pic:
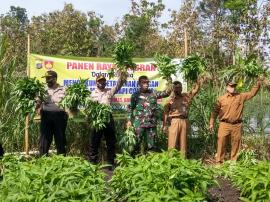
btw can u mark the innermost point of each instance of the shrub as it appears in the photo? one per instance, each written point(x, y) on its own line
point(160, 177)
point(51, 179)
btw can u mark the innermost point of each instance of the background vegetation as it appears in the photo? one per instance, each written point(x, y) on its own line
point(217, 30)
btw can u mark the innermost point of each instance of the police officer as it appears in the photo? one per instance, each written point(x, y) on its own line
point(104, 95)
point(53, 119)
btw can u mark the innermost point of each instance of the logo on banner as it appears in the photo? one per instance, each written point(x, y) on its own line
point(48, 64)
point(39, 64)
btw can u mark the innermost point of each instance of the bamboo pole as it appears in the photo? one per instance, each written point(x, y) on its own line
point(186, 42)
point(27, 118)
point(186, 51)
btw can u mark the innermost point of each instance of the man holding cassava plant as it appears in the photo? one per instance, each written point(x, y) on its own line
point(143, 108)
point(176, 112)
point(229, 109)
point(53, 118)
point(104, 95)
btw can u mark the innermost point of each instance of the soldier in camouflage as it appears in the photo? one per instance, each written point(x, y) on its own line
point(143, 112)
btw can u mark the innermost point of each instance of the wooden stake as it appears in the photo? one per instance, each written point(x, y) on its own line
point(186, 42)
point(27, 118)
point(26, 134)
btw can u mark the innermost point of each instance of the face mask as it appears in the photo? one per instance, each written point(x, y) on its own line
point(177, 91)
point(230, 89)
point(101, 85)
point(144, 85)
point(50, 82)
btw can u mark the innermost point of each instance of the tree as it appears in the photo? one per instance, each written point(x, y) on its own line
point(141, 27)
point(14, 26)
point(69, 32)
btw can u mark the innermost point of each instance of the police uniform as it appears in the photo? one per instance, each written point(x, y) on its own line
point(105, 97)
point(53, 119)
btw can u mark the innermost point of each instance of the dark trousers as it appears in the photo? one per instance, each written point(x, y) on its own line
point(53, 124)
point(1, 151)
point(109, 133)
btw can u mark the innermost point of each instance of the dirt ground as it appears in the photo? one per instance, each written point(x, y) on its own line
point(225, 192)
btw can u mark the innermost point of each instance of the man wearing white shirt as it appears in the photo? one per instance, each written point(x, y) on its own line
point(104, 95)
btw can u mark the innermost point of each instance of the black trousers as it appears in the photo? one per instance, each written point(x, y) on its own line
point(53, 124)
point(1, 151)
point(109, 133)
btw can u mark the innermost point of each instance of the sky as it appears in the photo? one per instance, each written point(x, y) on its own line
point(112, 10)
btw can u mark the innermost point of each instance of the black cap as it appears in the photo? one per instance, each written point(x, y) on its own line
point(231, 82)
point(50, 74)
point(100, 77)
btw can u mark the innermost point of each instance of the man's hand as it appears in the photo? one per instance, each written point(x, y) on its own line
point(165, 129)
point(262, 81)
point(203, 78)
point(129, 124)
point(38, 110)
point(211, 128)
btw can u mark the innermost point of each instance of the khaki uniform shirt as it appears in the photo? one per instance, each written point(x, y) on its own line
point(179, 105)
point(105, 96)
point(229, 107)
point(53, 98)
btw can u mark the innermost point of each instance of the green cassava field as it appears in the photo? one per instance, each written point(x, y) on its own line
point(225, 39)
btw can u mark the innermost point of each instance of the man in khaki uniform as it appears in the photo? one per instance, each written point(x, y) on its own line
point(176, 110)
point(229, 109)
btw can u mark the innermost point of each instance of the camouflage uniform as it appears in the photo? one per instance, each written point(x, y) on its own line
point(143, 115)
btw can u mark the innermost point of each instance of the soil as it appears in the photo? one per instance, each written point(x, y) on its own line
point(225, 192)
point(108, 174)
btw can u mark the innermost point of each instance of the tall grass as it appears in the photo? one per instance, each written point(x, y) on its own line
point(11, 124)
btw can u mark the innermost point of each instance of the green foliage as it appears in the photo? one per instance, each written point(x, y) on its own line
point(25, 94)
point(71, 32)
point(200, 139)
point(235, 4)
point(56, 178)
point(245, 71)
point(14, 25)
point(252, 68)
point(97, 114)
point(122, 57)
point(140, 26)
point(192, 67)
point(76, 95)
point(165, 66)
point(250, 175)
point(128, 140)
point(163, 176)
point(10, 128)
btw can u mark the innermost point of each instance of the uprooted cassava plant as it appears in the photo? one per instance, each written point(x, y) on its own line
point(97, 114)
point(26, 92)
point(192, 67)
point(76, 95)
point(122, 58)
point(165, 65)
